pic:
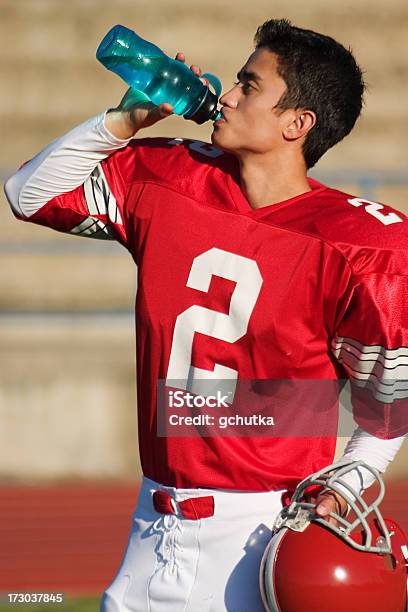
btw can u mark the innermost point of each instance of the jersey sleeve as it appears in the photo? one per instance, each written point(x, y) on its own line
point(95, 209)
point(74, 185)
point(371, 343)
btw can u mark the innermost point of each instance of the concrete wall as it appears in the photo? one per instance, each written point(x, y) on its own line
point(67, 398)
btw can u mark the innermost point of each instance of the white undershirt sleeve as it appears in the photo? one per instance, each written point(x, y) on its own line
point(376, 452)
point(61, 167)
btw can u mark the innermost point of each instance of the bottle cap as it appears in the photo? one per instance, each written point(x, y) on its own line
point(207, 111)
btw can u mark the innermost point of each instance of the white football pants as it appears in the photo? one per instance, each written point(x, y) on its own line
point(174, 564)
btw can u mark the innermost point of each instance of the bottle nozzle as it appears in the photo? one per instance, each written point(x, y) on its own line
point(206, 110)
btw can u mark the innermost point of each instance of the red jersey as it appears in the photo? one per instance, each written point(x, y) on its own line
point(310, 289)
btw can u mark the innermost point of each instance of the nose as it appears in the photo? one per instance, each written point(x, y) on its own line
point(229, 98)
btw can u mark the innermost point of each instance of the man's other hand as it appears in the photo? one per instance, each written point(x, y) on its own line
point(328, 502)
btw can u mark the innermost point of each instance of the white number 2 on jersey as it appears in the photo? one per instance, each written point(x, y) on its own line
point(228, 327)
point(374, 209)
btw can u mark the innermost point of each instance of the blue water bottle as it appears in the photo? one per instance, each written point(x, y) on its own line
point(146, 68)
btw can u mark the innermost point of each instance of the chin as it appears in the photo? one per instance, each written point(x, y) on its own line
point(220, 142)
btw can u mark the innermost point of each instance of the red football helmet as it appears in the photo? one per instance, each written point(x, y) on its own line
point(310, 565)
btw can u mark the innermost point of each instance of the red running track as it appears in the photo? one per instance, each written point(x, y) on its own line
point(71, 539)
point(63, 538)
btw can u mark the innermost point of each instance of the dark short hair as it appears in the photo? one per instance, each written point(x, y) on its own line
point(321, 75)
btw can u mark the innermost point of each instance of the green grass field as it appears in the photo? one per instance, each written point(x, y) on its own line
point(71, 604)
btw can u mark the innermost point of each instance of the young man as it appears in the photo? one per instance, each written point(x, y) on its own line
point(247, 271)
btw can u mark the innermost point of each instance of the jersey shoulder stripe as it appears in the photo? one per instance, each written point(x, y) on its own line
point(384, 371)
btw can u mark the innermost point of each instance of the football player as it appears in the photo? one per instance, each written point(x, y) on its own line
point(252, 273)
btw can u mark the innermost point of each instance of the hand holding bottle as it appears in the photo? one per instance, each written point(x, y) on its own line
point(135, 111)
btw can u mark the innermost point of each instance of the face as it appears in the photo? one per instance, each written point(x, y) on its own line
point(250, 123)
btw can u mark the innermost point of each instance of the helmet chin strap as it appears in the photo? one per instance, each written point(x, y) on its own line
point(299, 514)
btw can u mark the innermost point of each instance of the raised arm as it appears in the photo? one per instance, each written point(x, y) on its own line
point(68, 161)
point(74, 160)
point(61, 167)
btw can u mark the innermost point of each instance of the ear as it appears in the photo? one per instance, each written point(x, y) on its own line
point(299, 125)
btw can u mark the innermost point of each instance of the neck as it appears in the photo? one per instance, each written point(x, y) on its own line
point(266, 181)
